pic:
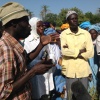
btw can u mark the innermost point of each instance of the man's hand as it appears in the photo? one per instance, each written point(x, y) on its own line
point(39, 68)
point(79, 56)
point(42, 67)
point(65, 46)
point(82, 50)
point(49, 38)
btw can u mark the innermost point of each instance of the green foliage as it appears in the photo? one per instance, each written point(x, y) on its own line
point(60, 18)
point(95, 19)
point(62, 15)
point(30, 13)
point(44, 12)
point(50, 17)
point(89, 15)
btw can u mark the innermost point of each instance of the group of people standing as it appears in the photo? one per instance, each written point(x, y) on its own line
point(37, 63)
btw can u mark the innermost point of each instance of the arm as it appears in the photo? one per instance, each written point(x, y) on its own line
point(66, 51)
point(34, 53)
point(8, 84)
point(43, 41)
point(89, 48)
point(80, 52)
point(36, 70)
point(76, 52)
point(58, 43)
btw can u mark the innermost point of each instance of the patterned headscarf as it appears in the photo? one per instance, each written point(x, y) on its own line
point(85, 24)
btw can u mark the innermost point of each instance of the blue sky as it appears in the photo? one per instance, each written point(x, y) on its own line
point(56, 5)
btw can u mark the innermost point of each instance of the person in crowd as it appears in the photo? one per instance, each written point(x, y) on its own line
point(77, 48)
point(14, 76)
point(48, 30)
point(85, 25)
point(41, 84)
point(53, 25)
point(94, 61)
point(98, 43)
point(54, 53)
point(98, 53)
point(64, 26)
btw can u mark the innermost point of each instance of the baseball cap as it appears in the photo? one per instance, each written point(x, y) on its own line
point(10, 11)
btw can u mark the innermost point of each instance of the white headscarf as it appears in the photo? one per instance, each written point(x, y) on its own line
point(33, 22)
point(32, 41)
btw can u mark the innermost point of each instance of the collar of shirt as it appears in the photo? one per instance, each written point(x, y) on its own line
point(12, 41)
point(78, 33)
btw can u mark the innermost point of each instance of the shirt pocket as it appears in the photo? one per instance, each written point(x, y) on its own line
point(81, 42)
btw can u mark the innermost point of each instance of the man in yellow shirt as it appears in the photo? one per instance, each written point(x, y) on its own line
point(77, 48)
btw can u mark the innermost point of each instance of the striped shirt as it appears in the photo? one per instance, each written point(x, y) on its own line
point(12, 67)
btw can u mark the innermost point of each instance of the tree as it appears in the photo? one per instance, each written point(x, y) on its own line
point(50, 17)
point(30, 13)
point(95, 19)
point(98, 11)
point(81, 16)
point(44, 11)
point(77, 10)
point(89, 15)
point(41, 15)
point(62, 16)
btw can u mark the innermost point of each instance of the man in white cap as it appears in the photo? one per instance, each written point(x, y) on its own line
point(14, 75)
point(77, 48)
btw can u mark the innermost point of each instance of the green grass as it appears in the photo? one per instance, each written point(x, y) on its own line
point(93, 93)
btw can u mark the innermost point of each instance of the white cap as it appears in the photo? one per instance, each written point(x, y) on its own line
point(70, 12)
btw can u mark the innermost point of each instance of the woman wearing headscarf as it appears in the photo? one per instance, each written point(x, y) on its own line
point(41, 84)
point(94, 62)
point(85, 25)
point(64, 26)
point(54, 53)
point(98, 41)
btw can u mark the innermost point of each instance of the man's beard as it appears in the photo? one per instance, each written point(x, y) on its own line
point(22, 33)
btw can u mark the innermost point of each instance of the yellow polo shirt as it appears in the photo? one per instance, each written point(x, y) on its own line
point(76, 67)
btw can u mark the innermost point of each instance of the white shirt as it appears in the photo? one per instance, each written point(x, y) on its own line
point(31, 42)
point(98, 45)
point(41, 84)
